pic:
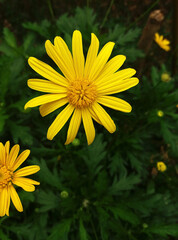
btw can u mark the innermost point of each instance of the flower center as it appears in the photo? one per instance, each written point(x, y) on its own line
point(5, 176)
point(81, 94)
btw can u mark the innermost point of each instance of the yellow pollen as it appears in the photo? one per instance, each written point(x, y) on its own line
point(5, 176)
point(81, 93)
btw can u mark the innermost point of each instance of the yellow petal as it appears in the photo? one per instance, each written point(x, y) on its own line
point(88, 125)
point(2, 154)
point(104, 117)
point(55, 54)
point(47, 108)
point(46, 71)
point(74, 126)
point(65, 55)
point(7, 147)
point(112, 66)
point(21, 158)
point(78, 57)
point(3, 201)
point(91, 55)
point(8, 201)
point(94, 116)
point(13, 154)
point(25, 183)
point(25, 171)
point(59, 122)
point(15, 199)
point(119, 86)
point(115, 103)
point(45, 86)
point(101, 60)
point(115, 78)
point(47, 98)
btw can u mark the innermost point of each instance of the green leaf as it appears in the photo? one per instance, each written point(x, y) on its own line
point(125, 183)
point(48, 200)
point(22, 133)
point(164, 230)
point(52, 178)
point(3, 236)
point(82, 231)
point(60, 230)
point(9, 38)
point(125, 214)
point(94, 154)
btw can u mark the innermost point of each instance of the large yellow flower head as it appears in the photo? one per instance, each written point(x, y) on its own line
point(9, 162)
point(85, 85)
point(163, 43)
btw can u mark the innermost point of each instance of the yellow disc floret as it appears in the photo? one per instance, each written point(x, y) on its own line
point(81, 94)
point(5, 176)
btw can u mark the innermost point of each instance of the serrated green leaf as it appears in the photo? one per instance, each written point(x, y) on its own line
point(125, 183)
point(9, 38)
point(125, 214)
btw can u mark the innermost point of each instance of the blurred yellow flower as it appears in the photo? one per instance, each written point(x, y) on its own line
point(161, 166)
point(9, 162)
point(165, 77)
point(84, 86)
point(163, 43)
point(160, 113)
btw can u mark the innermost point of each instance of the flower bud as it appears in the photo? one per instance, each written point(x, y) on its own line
point(76, 142)
point(145, 225)
point(64, 194)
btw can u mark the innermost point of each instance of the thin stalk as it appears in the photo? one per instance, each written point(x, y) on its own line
point(50, 9)
point(107, 13)
point(142, 15)
point(92, 225)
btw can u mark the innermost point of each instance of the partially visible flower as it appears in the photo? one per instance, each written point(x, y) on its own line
point(83, 88)
point(160, 113)
point(161, 166)
point(165, 77)
point(9, 163)
point(163, 43)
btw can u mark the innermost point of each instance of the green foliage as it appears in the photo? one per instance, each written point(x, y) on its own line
point(112, 188)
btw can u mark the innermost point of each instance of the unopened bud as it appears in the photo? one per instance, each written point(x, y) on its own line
point(145, 225)
point(64, 194)
point(76, 142)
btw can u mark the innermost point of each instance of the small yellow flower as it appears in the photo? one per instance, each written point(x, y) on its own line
point(9, 162)
point(160, 113)
point(85, 85)
point(165, 77)
point(163, 43)
point(161, 166)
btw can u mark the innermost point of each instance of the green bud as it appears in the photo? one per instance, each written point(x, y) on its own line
point(64, 194)
point(76, 142)
point(145, 225)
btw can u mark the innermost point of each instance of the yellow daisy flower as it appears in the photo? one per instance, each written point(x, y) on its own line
point(163, 43)
point(9, 162)
point(84, 86)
